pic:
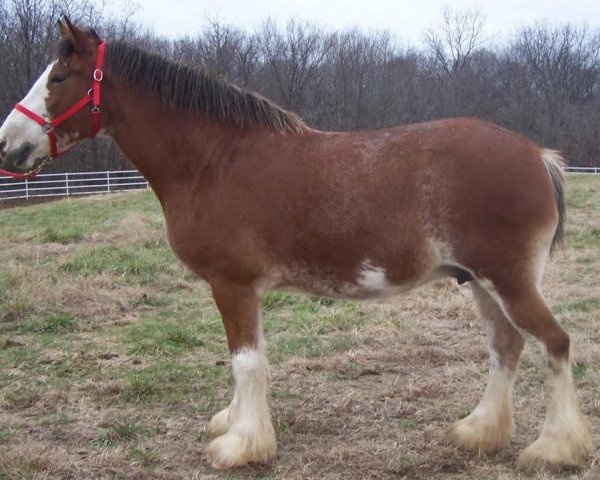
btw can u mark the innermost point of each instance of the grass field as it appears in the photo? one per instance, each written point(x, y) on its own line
point(113, 358)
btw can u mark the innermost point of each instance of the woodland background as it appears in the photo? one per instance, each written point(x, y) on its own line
point(543, 80)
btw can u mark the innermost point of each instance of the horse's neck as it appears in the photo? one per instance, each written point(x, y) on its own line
point(167, 146)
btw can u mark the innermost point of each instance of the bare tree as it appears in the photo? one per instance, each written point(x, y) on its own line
point(292, 59)
point(563, 62)
point(358, 80)
point(559, 75)
point(454, 41)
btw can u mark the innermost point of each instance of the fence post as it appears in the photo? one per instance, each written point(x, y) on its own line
point(67, 181)
point(108, 181)
point(26, 189)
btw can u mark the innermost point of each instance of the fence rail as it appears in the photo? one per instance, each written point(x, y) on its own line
point(88, 183)
point(71, 184)
point(592, 170)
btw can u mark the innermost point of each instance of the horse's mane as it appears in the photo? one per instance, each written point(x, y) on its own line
point(192, 89)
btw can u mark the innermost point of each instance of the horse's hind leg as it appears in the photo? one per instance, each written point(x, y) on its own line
point(565, 439)
point(244, 432)
point(490, 426)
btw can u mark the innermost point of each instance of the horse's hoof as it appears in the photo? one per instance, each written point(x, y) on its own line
point(556, 453)
point(475, 434)
point(236, 450)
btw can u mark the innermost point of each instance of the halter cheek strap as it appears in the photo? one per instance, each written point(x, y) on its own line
point(93, 96)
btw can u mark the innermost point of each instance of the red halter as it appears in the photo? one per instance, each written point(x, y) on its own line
point(93, 96)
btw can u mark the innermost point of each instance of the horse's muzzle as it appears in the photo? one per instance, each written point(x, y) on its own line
point(16, 158)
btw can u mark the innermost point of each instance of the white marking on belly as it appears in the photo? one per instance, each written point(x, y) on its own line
point(372, 278)
point(370, 282)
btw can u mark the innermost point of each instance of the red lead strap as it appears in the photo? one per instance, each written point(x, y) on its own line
point(93, 96)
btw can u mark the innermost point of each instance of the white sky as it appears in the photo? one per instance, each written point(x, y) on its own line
point(407, 19)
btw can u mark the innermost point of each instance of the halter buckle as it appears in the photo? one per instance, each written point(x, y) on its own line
point(98, 75)
point(48, 127)
point(96, 109)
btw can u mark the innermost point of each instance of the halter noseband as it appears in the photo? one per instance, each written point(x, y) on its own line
point(93, 96)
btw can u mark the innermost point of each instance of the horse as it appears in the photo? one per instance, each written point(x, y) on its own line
point(256, 200)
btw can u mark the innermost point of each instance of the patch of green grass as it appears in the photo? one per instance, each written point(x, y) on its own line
point(65, 234)
point(146, 456)
point(579, 370)
point(22, 397)
point(18, 358)
point(585, 305)
point(153, 300)
point(174, 381)
point(588, 260)
point(582, 192)
point(135, 263)
point(127, 430)
point(151, 337)
point(84, 215)
point(577, 198)
point(586, 239)
point(15, 306)
point(281, 428)
point(60, 418)
point(50, 360)
point(336, 376)
point(54, 323)
point(406, 460)
point(5, 436)
point(141, 387)
point(307, 346)
point(276, 300)
point(70, 367)
point(528, 365)
point(15, 302)
point(283, 394)
point(23, 469)
point(102, 440)
point(407, 423)
point(526, 391)
point(291, 314)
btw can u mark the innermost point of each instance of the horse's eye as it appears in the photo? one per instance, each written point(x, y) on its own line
point(57, 78)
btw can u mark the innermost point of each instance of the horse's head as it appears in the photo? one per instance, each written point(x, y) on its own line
point(65, 87)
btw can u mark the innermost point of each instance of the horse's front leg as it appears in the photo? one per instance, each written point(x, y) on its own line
point(244, 432)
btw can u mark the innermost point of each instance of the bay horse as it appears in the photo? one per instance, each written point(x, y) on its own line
point(256, 200)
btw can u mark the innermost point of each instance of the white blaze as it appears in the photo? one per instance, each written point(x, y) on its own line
point(18, 128)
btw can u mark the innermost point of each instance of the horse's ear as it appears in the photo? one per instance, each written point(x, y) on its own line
point(78, 39)
point(64, 26)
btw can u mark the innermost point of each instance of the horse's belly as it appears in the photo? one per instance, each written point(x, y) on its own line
point(368, 282)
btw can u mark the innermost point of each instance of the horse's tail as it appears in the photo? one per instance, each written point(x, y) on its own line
point(555, 163)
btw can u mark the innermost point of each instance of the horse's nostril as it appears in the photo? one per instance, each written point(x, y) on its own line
point(21, 155)
point(2, 147)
